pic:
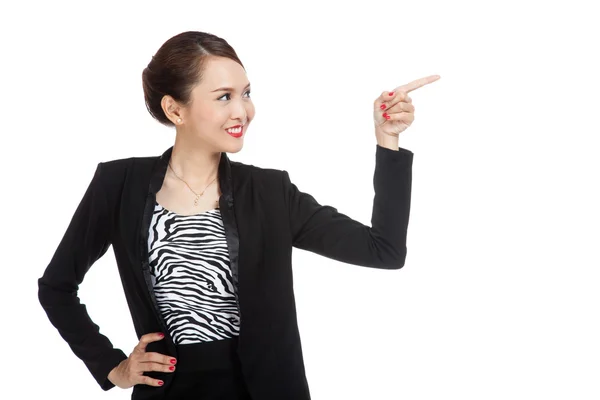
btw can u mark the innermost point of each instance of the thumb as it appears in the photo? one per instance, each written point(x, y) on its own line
point(146, 339)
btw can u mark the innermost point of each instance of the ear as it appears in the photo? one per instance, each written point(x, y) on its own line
point(171, 108)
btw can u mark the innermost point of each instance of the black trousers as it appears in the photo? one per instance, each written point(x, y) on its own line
point(208, 371)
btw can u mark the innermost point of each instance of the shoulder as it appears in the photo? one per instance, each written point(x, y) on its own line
point(119, 170)
point(115, 173)
point(258, 174)
point(121, 164)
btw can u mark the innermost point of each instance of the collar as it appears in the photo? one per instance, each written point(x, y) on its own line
point(225, 180)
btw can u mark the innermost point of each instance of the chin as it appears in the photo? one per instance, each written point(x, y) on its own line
point(232, 145)
point(233, 149)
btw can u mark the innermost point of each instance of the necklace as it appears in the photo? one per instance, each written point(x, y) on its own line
point(197, 195)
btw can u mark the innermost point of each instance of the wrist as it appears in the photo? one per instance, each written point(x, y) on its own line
point(111, 376)
point(387, 141)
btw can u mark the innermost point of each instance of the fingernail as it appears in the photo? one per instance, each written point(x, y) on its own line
point(161, 334)
point(171, 368)
point(386, 116)
point(382, 106)
point(160, 382)
point(173, 361)
point(391, 93)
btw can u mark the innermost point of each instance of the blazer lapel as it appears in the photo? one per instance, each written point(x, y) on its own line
point(157, 176)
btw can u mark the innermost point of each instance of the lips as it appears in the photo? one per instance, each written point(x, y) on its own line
point(236, 134)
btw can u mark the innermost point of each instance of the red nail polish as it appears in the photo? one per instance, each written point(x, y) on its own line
point(382, 106)
point(171, 368)
point(385, 115)
point(172, 361)
point(161, 334)
point(160, 382)
point(391, 93)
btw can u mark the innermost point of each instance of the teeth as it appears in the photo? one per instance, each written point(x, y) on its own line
point(234, 130)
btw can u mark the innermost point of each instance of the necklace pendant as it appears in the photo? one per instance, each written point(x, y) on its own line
point(196, 201)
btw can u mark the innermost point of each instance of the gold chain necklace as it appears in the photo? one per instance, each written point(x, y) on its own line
point(197, 195)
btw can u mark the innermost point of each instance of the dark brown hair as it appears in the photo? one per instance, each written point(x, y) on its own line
point(177, 67)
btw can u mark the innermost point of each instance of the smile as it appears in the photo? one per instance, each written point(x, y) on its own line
point(235, 132)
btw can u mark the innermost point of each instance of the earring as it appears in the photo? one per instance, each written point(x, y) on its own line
point(178, 120)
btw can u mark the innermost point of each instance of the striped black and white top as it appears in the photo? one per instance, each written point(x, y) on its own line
point(191, 276)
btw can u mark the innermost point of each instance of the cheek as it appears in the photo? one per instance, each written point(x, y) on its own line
point(208, 113)
point(250, 111)
point(214, 116)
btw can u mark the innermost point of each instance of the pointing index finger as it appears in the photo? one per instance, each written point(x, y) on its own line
point(409, 87)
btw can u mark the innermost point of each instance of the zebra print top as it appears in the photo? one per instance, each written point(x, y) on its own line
point(191, 276)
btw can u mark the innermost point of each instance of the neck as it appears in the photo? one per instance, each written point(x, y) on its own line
point(194, 162)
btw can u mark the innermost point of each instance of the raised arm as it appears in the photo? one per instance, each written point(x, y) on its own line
point(323, 230)
point(86, 240)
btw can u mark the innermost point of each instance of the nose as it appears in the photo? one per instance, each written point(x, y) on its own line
point(240, 115)
point(242, 121)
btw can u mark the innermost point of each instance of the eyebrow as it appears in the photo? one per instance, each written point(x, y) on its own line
point(228, 88)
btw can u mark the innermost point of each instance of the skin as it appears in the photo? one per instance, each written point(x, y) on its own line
point(396, 104)
point(130, 371)
point(199, 140)
point(201, 137)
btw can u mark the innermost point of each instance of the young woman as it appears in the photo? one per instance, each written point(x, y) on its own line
point(203, 244)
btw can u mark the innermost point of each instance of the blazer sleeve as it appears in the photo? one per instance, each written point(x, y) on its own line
point(86, 239)
point(323, 230)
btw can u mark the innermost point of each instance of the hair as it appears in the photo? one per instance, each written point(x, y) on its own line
point(178, 66)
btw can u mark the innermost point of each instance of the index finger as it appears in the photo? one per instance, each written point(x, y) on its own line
point(409, 87)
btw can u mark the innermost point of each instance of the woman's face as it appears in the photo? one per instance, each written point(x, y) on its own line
point(221, 101)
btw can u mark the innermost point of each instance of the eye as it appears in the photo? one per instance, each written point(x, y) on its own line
point(229, 94)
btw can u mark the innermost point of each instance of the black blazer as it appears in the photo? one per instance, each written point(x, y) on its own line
point(264, 216)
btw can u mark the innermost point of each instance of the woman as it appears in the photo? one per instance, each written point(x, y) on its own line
point(203, 244)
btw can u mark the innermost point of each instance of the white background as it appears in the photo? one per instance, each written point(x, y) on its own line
point(499, 295)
